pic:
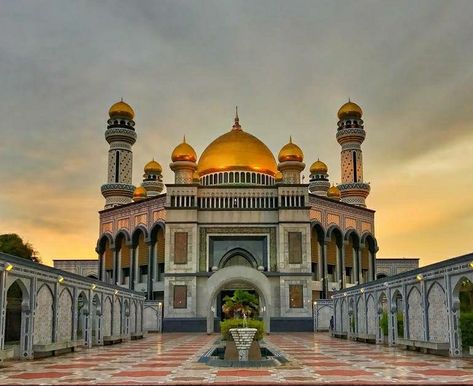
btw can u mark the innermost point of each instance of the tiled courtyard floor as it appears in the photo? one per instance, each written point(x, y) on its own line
point(172, 358)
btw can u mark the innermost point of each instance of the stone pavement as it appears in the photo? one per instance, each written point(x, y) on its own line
point(172, 359)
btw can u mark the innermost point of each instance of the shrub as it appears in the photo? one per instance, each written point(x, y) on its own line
point(400, 324)
point(383, 323)
point(466, 328)
point(235, 323)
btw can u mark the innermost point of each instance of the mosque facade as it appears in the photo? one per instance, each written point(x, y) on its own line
point(236, 217)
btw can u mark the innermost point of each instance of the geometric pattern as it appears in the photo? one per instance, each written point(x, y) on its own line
point(172, 359)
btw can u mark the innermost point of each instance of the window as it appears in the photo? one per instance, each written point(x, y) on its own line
point(143, 273)
point(315, 271)
point(355, 177)
point(125, 275)
point(295, 247)
point(180, 296)
point(117, 166)
point(180, 248)
point(295, 296)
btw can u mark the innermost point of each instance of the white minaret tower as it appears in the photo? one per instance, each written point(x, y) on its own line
point(350, 135)
point(121, 136)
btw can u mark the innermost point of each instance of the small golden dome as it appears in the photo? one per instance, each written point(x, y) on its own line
point(184, 152)
point(318, 167)
point(153, 167)
point(121, 110)
point(334, 192)
point(139, 193)
point(350, 109)
point(291, 152)
point(278, 177)
point(237, 150)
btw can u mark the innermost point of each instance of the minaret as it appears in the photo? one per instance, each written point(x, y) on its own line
point(350, 135)
point(183, 163)
point(121, 136)
point(153, 178)
point(290, 163)
point(318, 180)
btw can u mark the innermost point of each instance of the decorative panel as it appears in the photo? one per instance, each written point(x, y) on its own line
point(296, 299)
point(180, 248)
point(107, 227)
point(295, 247)
point(350, 223)
point(123, 223)
point(333, 219)
point(141, 219)
point(180, 296)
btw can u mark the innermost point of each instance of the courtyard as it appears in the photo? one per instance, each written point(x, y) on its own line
point(172, 359)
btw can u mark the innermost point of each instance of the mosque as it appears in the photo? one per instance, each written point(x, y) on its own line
point(236, 218)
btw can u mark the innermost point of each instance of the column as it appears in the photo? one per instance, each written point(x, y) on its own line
point(101, 265)
point(150, 270)
point(28, 316)
point(341, 256)
point(423, 292)
point(55, 312)
point(325, 270)
point(3, 307)
point(74, 313)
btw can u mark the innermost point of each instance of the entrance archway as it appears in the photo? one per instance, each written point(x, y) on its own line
point(243, 275)
point(16, 318)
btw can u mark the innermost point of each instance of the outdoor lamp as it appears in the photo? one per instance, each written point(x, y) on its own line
point(9, 267)
point(471, 264)
point(60, 279)
point(420, 277)
point(116, 292)
point(93, 286)
point(362, 290)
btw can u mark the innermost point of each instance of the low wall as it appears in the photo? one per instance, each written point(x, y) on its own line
point(50, 308)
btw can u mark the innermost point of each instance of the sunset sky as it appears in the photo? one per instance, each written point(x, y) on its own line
point(288, 65)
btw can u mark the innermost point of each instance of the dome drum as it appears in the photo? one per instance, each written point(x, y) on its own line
point(237, 177)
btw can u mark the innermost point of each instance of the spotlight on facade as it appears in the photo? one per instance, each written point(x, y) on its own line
point(116, 292)
point(420, 277)
point(362, 290)
point(471, 265)
point(344, 294)
point(386, 284)
point(60, 279)
point(93, 286)
point(315, 303)
point(9, 267)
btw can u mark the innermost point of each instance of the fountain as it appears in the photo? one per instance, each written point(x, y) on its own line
point(243, 338)
point(243, 353)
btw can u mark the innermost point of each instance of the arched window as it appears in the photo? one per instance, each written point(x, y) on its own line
point(231, 177)
point(237, 177)
point(225, 178)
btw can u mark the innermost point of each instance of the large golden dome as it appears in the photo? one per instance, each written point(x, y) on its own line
point(184, 152)
point(350, 109)
point(237, 150)
point(121, 110)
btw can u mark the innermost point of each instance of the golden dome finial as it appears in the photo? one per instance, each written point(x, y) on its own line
point(121, 110)
point(350, 109)
point(236, 125)
point(184, 152)
point(291, 152)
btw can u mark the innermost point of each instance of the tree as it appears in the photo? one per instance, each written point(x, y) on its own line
point(14, 245)
point(241, 303)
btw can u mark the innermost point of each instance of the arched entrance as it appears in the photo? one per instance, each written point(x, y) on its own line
point(16, 318)
point(244, 276)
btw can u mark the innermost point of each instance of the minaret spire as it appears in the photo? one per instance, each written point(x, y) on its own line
point(236, 125)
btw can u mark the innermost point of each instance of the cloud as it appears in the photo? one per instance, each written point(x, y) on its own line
point(184, 66)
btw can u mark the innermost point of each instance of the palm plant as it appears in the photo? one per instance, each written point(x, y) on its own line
point(242, 303)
